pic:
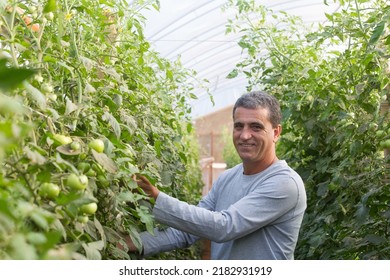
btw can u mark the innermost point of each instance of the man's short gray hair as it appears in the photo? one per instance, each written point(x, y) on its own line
point(260, 99)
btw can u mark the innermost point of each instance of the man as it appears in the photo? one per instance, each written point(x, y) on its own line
point(253, 211)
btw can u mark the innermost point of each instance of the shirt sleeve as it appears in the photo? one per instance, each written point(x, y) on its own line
point(263, 206)
point(165, 240)
point(170, 238)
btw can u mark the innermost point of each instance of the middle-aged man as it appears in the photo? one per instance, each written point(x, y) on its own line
point(253, 211)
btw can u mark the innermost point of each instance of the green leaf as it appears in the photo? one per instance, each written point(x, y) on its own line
point(128, 196)
point(100, 229)
point(92, 250)
point(329, 16)
point(244, 45)
point(40, 220)
point(169, 74)
point(377, 33)
point(11, 77)
point(232, 74)
point(6, 217)
point(51, 6)
point(322, 189)
point(113, 123)
point(375, 239)
point(166, 177)
point(52, 238)
point(67, 150)
point(118, 100)
point(36, 95)
point(36, 238)
point(70, 107)
point(189, 128)
point(157, 146)
point(146, 218)
point(107, 163)
point(34, 156)
point(362, 213)
point(387, 41)
point(10, 105)
point(135, 237)
point(20, 249)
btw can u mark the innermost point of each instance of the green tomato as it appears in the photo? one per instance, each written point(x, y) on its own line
point(89, 208)
point(83, 219)
point(380, 133)
point(385, 144)
point(91, 173)
point(77, 182)
point(62, 139)
point(97, 145)
point(83, 156)
point(75, 146)
point(83, 167)
point(372, 127)
point(49, 190)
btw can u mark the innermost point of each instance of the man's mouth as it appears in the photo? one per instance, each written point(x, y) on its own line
point(246, 145)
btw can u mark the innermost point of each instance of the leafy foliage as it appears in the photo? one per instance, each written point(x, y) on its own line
point(333, 83)
point(72, 72)
point(229, 153)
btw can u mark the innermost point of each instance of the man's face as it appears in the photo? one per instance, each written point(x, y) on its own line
point(253, 134)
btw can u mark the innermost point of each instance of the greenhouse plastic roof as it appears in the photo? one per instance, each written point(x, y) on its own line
point(194, 30)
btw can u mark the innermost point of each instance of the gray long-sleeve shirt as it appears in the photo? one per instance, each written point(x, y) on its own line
point(245, 216)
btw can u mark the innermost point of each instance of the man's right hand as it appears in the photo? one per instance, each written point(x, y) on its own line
point(147, 187)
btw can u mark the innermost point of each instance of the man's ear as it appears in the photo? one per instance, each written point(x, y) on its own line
point(277, 132)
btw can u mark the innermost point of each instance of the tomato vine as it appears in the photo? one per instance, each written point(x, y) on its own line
point(85, 104)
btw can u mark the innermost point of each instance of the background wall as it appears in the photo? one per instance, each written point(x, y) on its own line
point(210, 129)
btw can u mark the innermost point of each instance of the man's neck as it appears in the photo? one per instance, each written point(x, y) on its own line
point(251, 168)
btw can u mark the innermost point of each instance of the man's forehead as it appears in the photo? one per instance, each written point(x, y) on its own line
point(250, 115)
point(250, 121)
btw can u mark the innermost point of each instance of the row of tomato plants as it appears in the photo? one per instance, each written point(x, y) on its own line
point(85, 104)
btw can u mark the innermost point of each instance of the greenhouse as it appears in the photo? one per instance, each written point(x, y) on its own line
point(111, 110)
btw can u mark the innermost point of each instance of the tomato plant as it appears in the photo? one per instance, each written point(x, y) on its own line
point(72, 72)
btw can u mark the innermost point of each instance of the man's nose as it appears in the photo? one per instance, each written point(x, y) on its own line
point(245, 133)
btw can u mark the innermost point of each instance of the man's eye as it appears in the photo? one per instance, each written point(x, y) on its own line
point(257, 127)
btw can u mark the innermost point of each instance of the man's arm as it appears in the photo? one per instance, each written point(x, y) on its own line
point(255, 210)
point(162, 240)
point(165, 240)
